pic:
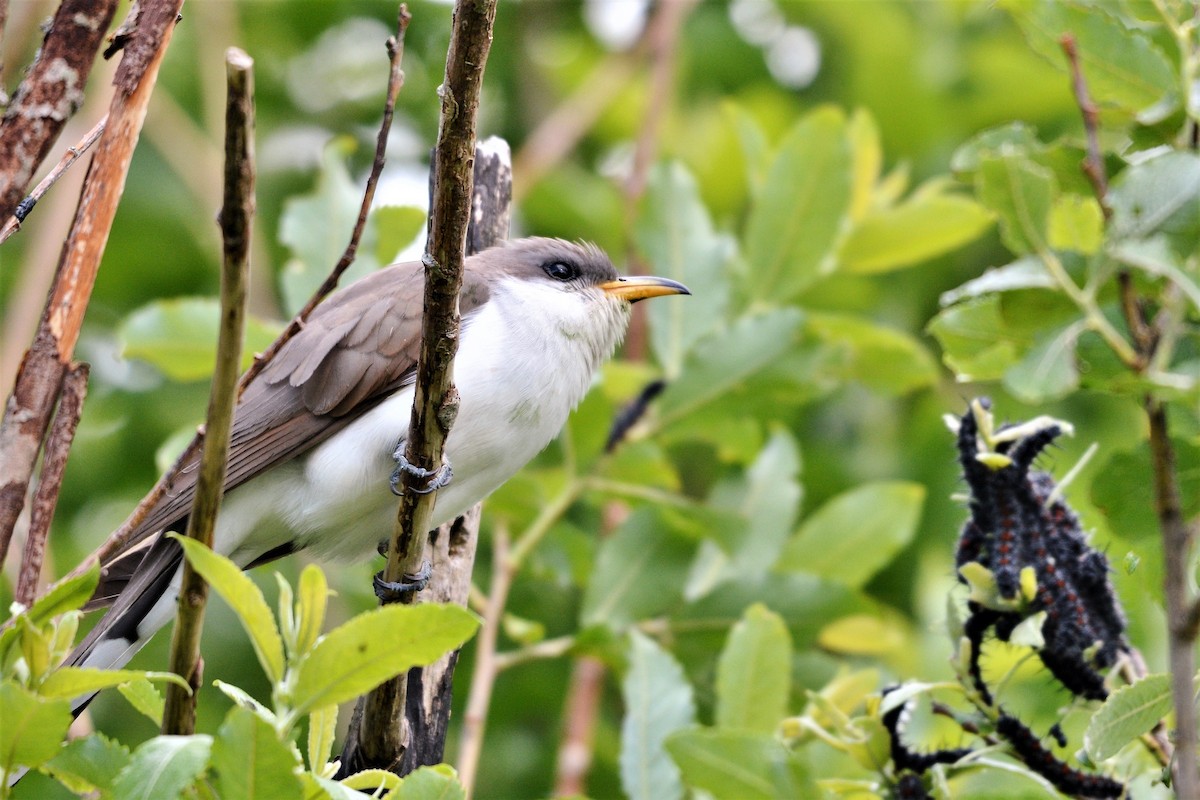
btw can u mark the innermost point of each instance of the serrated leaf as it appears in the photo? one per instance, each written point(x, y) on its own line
point(70, 682)
point(1048, 371)
point(923, 227)
point(163, 767)
point(438, 782)
point(374, 646)
point(799, 216)
point(857, 533)
point(640, 571)
point(1021, 193)
point(1159, 196)
point(251, 762)
point(738, 765)
point(145, 698)
point(658, 701)
point(246, 600)
point(179, 336)
point(975, 343)
point(32, 727)
point(676, 235)
point(89, 764)
point(1128, 712)
point(1121, 66)
point(754, 672)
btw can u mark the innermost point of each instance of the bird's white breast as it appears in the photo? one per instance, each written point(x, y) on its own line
point(526, 358)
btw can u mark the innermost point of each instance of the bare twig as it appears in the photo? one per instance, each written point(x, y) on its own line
point(73, 153)
point(27, 412)
point(395, 49)
point(1093, 163)
point(54, 463)
point(237, 210)
point(582, 709)
point(380, 740)
point(483, 679)
point(50, 93)
point(1181, 642)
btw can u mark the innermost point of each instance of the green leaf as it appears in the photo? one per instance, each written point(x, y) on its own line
point(974, 341)
point(1076, 224)
point(322, 728)
point(67, 595)
point(925, 226)
point(1128, 712)
point(721, 363)
point(88, 764)
point(145, 698)
point(882, 359)
point(801, 214)
point(369, 780)
point(31, 728)
point(1013, 138)
point(1160, 195)
point(316, 229)
point(246, 600)
point(754, 672)
point(857, 533)
point(1048, 371)
point(243, 699)
point(250, 761)
point(396, 227)
point(1122, 67)
point(375, 646)
point(179, 336)
point(71, 682)
point(640, 571)
point(738, 765)
point(675, 234)
point(658, 702)
point(310, 607)
point(863, 134)
point(1124, 493)
point(163, 767)
point(1024, 273)
point(438, 782)
point(1021, 193)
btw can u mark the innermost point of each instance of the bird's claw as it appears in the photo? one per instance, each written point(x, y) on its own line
point(434, 478)
point(390, 592)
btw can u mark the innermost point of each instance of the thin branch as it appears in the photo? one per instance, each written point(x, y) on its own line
point(73, 153)
point(27, 413)
point(574, 759)
point(237, 211)
point(1181, 641)
point(435, 402)
point(395, 50)
point(1093, 163)
point(483, 679)
point(50, 93)
point(54, 464)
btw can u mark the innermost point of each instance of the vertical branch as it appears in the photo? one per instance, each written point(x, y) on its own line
point(27, 413)
point(54, 463)
point(50, 93)
point(237, 210)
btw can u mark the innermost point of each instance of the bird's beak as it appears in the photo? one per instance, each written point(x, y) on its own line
point(639, 287)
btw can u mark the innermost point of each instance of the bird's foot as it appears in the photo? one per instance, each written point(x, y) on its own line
point(390, 592)
point(434, 478)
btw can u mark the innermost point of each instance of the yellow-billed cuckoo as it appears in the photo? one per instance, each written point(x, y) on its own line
point(315, 436)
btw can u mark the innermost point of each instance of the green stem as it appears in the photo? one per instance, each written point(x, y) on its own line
point(1093, 316)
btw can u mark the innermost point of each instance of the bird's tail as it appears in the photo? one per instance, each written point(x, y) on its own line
point(144, 606)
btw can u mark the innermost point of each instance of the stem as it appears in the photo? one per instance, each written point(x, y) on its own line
point(179, 715)
point(541, 526)
point(484, 677)
point(583, 707)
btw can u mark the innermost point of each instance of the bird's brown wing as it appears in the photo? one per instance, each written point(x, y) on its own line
point(355, 350)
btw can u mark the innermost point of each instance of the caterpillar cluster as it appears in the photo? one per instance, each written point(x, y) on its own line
point(1017, 523)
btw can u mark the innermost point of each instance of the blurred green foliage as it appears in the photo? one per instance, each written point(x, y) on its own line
point(789, 545)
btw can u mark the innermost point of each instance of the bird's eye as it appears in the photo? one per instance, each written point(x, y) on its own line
point(561, 270)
